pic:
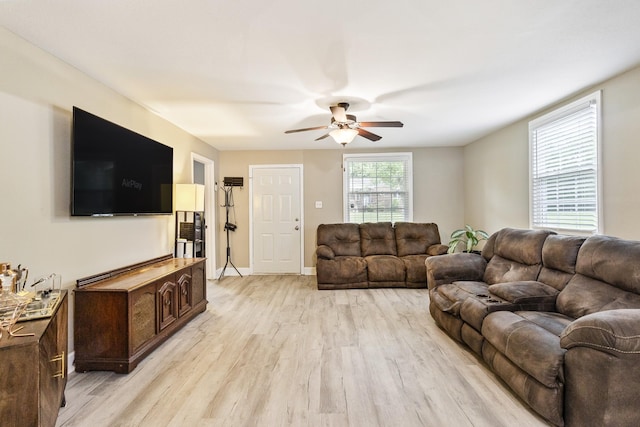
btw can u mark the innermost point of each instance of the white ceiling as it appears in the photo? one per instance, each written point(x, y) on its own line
point(238, 73)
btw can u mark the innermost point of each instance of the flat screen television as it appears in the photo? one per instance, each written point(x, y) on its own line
point(116, 171)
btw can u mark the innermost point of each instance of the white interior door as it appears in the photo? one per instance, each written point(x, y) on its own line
point(277, 219)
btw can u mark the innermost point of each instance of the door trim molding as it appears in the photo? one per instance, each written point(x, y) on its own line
point(210, 211)
point(300, 169)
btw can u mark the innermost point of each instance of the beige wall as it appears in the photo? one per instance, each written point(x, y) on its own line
point(438, 192)
point(497, 184)
point(37, 93)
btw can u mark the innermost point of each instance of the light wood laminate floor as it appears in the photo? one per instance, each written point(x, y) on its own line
point(275, 351)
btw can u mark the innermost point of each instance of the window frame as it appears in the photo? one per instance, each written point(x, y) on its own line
point(403, 156)
point(552, 116)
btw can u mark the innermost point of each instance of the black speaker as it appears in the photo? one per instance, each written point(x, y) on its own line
point(233, 181)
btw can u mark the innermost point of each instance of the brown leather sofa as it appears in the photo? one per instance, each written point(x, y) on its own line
point(375, 255)
point(556, 317)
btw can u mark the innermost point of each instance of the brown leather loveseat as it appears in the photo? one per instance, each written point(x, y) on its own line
point(556, 317)
point(375, 255)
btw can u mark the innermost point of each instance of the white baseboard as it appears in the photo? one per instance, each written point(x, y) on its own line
point(230, 271)
point(70, 365)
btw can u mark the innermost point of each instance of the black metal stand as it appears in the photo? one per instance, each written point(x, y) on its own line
point(227, 205)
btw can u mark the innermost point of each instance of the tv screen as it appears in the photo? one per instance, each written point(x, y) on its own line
point(116, 171)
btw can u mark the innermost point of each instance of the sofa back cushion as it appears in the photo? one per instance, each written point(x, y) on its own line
point(415, 238)
point(517, 255)
point(607, 277)
point(559, 256)
point(343, 239)
point(377, 238)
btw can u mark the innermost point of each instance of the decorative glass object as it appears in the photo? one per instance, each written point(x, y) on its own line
point(11, 308)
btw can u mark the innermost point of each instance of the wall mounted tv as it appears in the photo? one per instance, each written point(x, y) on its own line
point(116, 171)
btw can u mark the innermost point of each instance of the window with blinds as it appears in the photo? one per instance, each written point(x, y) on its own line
point(564, 147)
point(378, 187)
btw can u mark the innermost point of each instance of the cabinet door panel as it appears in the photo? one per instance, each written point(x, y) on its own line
point(167, 309)
point(143, 321)
point(198, 284)
point(184, 292)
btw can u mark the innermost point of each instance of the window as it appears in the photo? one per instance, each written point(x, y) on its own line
point(564, 152)
point(378, 187)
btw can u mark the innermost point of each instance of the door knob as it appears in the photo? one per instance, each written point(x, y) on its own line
point(297, 228)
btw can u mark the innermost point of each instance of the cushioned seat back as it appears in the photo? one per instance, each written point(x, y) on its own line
point(559, 255)
point(517, 255)
point(377, 238)
point(607, 277)
point(343, 239)
point(414, 238)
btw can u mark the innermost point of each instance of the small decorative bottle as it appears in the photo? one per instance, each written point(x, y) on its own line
point(7, 277)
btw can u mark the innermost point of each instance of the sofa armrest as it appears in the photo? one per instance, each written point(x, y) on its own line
point(325, 252)
point(529, 295)
point(437, 249)
point(449, 268)
point(612, 331)
point(602, 379)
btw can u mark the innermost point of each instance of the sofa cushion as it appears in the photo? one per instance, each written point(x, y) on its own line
point(415, 268)
point(504, 270)
point(517, 255)
point(324, 251)
point(343, 239)
point(523, 292)
point(377, 238)
point(611, 260)
point(449, 298)
point(584, 295)
point(530, 340)
point(385, 268)
point(415, 238)
point(607, 277)
point(342, 270)
point(559, 255)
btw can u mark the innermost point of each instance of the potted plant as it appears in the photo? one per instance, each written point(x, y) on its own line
point(468, 236)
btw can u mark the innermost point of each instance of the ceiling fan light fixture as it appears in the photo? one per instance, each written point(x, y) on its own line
point(343, 136)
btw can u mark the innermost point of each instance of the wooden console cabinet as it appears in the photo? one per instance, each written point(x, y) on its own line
point(33, 371)
point(123, 315)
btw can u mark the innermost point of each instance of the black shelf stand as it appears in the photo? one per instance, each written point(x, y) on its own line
point(228, 204)
point(190, 234)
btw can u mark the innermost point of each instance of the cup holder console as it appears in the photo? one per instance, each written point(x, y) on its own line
point(488, 299)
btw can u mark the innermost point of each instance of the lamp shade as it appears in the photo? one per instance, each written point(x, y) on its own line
point(343, 136)
point(190, 197)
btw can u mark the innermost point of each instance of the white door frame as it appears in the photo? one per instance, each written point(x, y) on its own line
point(301, 175)
point(210, 210)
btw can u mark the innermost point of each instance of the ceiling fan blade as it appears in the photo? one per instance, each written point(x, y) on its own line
point(322, 137)
point(369, 135)
point(306, 129)
point(339, 113)
point(394, 124)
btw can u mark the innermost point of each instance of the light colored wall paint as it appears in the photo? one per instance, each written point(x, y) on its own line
point(438, 192)
point(497, 184)
point(37, 93)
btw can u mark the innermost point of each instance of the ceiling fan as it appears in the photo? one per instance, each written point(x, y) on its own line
point(344, 127)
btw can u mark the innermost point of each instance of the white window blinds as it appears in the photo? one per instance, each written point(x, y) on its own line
point(564, 167)
point(378, 187)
